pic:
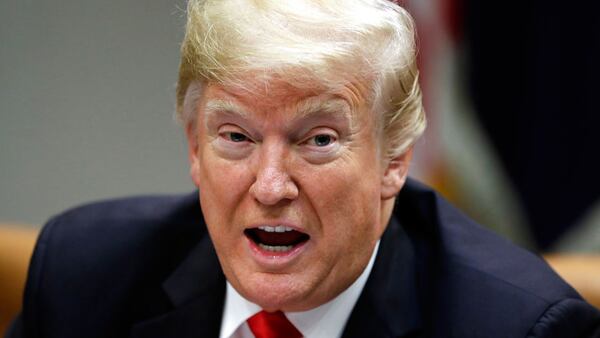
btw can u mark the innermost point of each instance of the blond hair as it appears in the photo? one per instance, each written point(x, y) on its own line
point(328, 41)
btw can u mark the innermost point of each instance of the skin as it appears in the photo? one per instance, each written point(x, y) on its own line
point(308, 158)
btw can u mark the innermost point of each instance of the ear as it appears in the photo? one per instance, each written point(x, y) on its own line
point(191, 134)
point(395, 175)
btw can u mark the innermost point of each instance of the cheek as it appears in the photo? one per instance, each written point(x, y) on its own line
point(222, 185)
point(348, 206)
point(346, 198)
point(218, 175)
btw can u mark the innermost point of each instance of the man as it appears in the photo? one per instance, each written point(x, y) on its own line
point(300, 117)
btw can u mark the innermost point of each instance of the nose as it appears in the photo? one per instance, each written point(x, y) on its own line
point(273, 183)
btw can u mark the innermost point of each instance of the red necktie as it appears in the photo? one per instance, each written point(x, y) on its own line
point(272, 325)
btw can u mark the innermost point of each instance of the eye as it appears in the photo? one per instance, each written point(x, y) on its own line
point(232, 142)
point(321, 145)
point(236, 137)
point(322, 140)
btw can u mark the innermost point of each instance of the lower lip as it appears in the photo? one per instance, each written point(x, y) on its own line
point(276, 259)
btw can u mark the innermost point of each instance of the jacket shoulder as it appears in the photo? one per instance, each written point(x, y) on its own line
point(482, 282)
point(99, 262)
point(567, 318)
point(112, 229)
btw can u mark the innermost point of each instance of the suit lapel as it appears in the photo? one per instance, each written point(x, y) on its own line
point(197, 291)
point(389, 305)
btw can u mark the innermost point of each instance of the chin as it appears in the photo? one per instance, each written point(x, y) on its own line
point(275, 292)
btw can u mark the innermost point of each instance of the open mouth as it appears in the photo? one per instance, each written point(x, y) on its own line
point(276, 238)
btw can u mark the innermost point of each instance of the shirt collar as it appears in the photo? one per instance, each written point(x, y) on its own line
point(327, 320)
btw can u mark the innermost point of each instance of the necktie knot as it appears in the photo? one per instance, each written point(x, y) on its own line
point(272, 325)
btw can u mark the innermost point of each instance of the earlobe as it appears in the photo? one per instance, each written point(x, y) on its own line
point(395, 175)
point(192, 140)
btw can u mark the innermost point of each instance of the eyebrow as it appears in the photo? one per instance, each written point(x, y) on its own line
point(216, 106)
point(313, 107)
point(308, 108)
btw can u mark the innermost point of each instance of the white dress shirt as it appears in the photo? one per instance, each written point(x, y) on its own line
point(325, 321)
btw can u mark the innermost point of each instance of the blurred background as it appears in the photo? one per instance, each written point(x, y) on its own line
point(511, 98)
point(87, 101)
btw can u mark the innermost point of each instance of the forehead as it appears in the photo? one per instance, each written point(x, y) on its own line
point(276, 95)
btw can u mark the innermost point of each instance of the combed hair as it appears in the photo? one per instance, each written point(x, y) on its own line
point(328, 42)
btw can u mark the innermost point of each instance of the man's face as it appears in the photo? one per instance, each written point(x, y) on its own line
point(291, 189)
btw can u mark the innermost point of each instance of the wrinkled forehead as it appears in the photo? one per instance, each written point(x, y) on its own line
point(290, 86)
point(283, 104)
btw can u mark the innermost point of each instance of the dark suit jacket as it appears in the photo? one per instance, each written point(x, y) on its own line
point(145, 267)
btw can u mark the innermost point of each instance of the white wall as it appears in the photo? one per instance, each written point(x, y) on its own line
point(86, 103)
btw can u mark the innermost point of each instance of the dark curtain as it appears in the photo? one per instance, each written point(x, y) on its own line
point(533, 70)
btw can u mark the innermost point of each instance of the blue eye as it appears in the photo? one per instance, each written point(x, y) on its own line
point(237, 137)
point(322, 140)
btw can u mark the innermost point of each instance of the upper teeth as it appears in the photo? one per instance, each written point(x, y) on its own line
point(279, 228)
